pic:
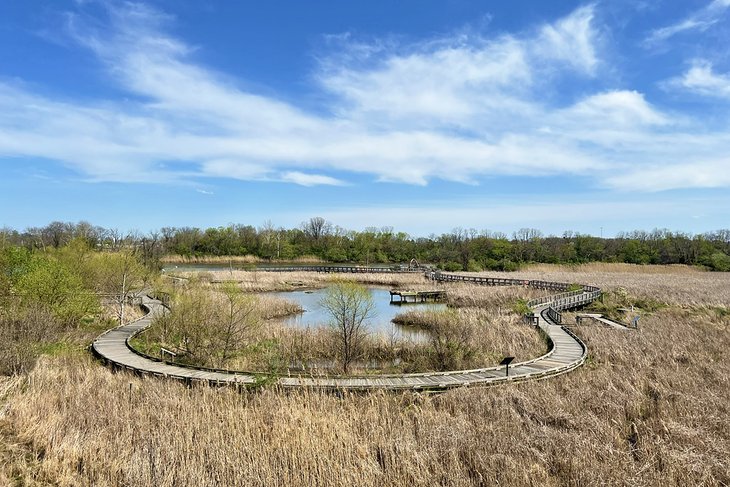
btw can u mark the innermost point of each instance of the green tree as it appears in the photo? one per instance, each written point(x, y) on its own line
point(49, 283)
point(720, 261)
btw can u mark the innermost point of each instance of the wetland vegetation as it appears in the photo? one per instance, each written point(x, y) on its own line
point(650, 407)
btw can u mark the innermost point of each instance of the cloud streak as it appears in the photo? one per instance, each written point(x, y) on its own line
point(699, 20)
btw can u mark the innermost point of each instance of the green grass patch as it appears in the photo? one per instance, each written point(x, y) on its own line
point(720, 311)
point(59, 349)
point(521, 308)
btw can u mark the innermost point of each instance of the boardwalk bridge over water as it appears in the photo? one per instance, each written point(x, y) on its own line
point(566, 351)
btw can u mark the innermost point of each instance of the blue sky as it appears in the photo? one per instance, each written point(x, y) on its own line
point(420, 115)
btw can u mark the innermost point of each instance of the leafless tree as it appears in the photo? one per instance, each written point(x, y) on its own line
point(316, 228)
point(350, 306)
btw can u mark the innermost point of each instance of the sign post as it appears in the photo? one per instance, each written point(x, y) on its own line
point(506, 361)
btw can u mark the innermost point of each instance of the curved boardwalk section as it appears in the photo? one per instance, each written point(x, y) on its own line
point(566, 353)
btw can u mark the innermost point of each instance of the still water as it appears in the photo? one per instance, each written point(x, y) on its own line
point(380, 322)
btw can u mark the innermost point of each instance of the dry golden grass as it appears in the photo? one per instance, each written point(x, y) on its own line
point(262, 281)
point(210, 259)
point(674, 285)
point(233, 259)
point(649, 408)
point(614, 267)
point(464, 295)
point(488, 334)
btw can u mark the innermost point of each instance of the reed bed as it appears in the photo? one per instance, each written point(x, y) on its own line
point(501, 298)
point(262, 281)
point(210, 259)
point(283, 350)
point(674, 285)
point(649, 408)
point(615, 267)
point(486, 335)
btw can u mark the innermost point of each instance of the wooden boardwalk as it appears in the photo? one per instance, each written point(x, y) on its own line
point(601, 319)
point(566, 352)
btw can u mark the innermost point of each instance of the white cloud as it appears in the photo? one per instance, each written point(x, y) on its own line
point(662, 177)
point(699, 20)
point(571, 40)
point(701, 79)
point(459, 109)
point(303, 179)
point(618, 109)
point(442, 80)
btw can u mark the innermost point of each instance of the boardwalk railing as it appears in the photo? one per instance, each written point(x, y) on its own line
point(341, 269)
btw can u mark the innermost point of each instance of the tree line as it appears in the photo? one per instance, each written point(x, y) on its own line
point(460, 249)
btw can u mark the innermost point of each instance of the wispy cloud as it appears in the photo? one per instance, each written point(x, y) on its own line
point(303, 179)
point(459, 108)
point(699, 20)
point(661, 177)
point(700, 78)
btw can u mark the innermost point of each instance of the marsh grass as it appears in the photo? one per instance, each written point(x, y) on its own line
point(670, 285)
point(467, 338)
point(286, 350)
point(649, 408)
point(263, 281)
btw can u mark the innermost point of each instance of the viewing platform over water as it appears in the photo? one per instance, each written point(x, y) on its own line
point(404, 297)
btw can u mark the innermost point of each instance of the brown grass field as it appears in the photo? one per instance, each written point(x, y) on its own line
point(650, 407)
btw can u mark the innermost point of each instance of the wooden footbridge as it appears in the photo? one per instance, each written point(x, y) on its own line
point(566, 351)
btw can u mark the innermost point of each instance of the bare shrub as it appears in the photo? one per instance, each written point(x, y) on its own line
point(350, 306)
point(205, 328)
point(23, 332)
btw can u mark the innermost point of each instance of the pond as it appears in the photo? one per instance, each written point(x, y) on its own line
point(383, 313)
